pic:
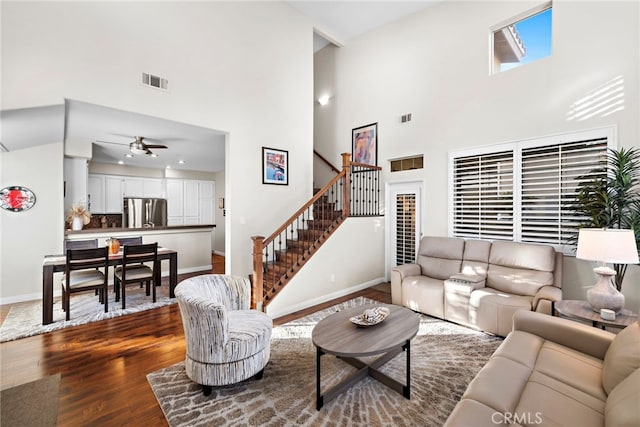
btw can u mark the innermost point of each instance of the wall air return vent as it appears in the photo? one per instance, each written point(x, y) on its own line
point(407, 163)
point(155, 81)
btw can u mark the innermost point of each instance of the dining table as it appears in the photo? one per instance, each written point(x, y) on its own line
point(56, 264)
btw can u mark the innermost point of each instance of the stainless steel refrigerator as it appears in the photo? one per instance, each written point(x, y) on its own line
point(144, 212)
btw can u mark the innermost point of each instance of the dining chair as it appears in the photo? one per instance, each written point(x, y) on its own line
point(133, 270)
point(80, 244)
point(82, 273)
point(136, 240)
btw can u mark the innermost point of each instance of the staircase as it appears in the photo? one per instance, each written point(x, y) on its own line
point(279, 257)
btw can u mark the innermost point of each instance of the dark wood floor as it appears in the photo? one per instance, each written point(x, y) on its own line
point(104, 364)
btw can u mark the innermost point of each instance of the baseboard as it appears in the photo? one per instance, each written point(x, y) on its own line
point(324, 298)
point(206, 269)
point(219, 253)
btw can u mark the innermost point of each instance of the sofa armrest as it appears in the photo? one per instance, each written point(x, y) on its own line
point(398, 274)
point(548, 293)
point(578, 336)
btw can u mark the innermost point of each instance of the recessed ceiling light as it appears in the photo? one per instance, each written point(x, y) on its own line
point(182, 162)
point(168, 166)
point(153, 155)
point(128, 155)
point(120, 162)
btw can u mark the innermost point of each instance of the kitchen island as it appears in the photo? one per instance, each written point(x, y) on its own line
point(191, 242)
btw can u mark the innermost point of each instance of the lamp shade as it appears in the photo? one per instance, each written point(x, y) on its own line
point(616, 246)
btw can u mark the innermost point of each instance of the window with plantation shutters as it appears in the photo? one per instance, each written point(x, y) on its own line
point(550, 177)
point(483, 196)
point(405, 229)
point(523, 191)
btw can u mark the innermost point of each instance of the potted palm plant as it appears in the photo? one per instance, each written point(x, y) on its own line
point(612, 200)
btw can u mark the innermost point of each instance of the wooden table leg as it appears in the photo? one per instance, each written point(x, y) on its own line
point(319, 398)
point(406, 390)
point(47, 294)
point(173, 274)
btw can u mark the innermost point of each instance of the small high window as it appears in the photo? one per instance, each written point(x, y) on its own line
point(525, 39)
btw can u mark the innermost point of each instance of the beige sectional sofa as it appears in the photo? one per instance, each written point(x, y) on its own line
point(479, 283)
point(556, 372)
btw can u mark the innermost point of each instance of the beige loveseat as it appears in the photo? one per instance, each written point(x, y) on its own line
point(556, 372)
point(479, 283)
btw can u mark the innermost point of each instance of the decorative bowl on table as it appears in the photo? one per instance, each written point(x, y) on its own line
point(371, 316)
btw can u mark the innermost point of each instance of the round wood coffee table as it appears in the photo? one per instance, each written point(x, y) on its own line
point(336, 335)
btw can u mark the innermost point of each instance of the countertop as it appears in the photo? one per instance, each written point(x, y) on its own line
point(112, 230)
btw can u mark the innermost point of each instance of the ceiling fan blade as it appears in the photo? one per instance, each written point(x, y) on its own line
point(110, 142)
point(155, 146)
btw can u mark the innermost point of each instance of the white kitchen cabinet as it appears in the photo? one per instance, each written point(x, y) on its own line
point(206, 200)
point(133, 187)
point(75, 182)
point(152, 188)
point(175, 198)
point(191, 199)
point(113, 194)
point(95, 194)
point(104, 194)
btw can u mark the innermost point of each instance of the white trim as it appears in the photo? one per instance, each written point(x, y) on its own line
point(221, 253)
point(420, 183)
point(324, 298)
point(610, 132)
point(521, 16)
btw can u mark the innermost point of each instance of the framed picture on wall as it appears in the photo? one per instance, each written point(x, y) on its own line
point(364, 144)
point(275, 166)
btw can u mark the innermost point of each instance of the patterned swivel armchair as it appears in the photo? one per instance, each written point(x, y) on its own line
point(226, 341)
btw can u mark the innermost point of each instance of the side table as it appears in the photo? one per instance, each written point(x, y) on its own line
point(581, 310)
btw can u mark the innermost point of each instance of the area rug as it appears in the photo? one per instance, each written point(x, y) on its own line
point(444, 359)
point(31, 404)
point(25, 319)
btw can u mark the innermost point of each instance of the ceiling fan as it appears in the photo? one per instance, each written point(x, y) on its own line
point(139, 146)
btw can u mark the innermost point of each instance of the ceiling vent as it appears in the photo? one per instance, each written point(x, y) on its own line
point(155, 81)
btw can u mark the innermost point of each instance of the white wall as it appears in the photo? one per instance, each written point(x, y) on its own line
point(435, 65)
point(26, 237)
point(348, 261)
point(245, 68)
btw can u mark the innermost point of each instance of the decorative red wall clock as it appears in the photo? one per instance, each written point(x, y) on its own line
point(17, 198)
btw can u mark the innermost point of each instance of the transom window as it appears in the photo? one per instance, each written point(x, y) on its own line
point(525, 38)
point(523, 191)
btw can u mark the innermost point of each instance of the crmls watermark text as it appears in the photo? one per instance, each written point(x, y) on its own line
point(515, 418)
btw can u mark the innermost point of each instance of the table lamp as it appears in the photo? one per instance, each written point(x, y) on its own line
point(606, 245)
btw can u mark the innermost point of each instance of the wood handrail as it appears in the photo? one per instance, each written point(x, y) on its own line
point(365, 165)
point(303, 208)
point(327, 162)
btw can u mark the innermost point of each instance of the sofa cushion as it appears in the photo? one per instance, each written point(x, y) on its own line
point(622, 357)
point(522, 255)
point(621, 409)
point(520, 268)
point(492, 310)
point(475, 259)
point(578, 370)
point(440, 257)
point(548, 402)
point(517, 281)
point(499, 384)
